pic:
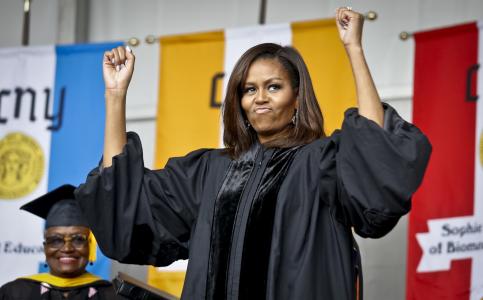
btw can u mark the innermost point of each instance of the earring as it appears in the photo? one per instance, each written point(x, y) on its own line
point(295, 117)
point(247, 124)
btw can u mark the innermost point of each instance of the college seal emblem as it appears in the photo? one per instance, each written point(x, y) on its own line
point(21, 165)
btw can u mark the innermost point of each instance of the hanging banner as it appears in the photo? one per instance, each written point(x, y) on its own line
point(194, 70)
point(51, 133)
point(445, 254)
point(26, 83)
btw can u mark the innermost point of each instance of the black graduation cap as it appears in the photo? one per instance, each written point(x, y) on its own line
point(58, 207)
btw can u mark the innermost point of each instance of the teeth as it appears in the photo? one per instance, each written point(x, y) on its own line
point(67, 259)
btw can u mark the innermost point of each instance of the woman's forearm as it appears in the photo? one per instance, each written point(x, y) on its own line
point(118, 67)
point(350, 24)
point(368, 99)
point(115, 128)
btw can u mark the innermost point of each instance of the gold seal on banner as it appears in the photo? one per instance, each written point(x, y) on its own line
point(21, 165)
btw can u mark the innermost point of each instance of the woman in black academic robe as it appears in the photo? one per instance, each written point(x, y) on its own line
point(271, 216)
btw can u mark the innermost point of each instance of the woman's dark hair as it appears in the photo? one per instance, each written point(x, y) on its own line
point(309, 126)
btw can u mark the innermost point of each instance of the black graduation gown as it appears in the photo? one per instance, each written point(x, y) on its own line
point(273, 224)
point(26, 289)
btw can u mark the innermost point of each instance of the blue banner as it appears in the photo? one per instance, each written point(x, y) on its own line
point(78, 121)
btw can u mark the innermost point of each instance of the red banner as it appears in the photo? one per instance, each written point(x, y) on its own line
point(442, 227)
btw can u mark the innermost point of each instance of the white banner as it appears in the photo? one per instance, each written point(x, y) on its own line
point(26, 84)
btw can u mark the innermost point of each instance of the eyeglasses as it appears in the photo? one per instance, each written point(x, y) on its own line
point(78, 241)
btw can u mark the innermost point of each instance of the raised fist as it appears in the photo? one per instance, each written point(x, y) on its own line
point(118, 67)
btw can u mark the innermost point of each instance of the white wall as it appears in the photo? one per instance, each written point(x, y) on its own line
point(43, 29)
point(390, 59)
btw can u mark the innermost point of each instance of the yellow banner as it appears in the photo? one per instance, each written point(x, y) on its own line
point(324, 54)
point(167, 281)
point(185, 120)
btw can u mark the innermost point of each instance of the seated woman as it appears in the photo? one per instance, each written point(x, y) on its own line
point(66, 247)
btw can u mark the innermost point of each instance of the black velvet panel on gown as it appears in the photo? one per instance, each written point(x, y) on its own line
point(258, 238)
point(223, 220)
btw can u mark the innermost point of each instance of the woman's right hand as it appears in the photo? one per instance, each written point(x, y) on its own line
point(117, 68)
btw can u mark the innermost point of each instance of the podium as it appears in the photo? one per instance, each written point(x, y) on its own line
point(131, 288)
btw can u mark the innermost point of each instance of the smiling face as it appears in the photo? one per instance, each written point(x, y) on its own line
point(68, 258)
point(268, 99)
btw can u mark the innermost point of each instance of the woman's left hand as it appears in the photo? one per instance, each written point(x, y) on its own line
point(349, 23)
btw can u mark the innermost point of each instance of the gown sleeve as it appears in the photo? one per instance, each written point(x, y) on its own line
point(143, 216)
point(3, 292)
point(378, 170)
